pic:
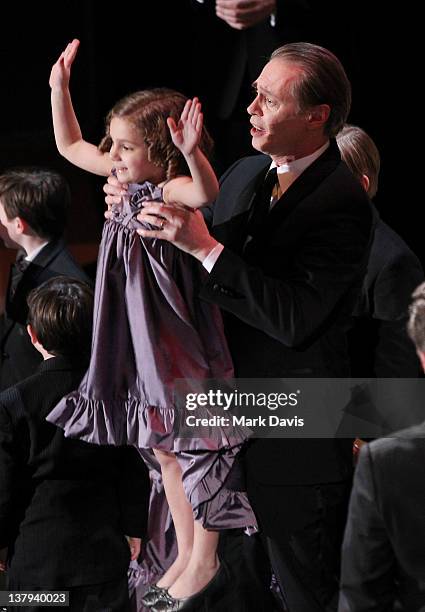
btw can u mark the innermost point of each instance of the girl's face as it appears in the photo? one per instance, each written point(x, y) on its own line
point(130, 156)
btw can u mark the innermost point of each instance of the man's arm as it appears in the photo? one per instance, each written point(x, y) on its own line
point(292, 301)
point(296, 299)
point(368, 562)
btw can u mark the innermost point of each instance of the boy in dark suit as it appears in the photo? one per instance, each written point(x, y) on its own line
point(65, 505)
point(33, 206)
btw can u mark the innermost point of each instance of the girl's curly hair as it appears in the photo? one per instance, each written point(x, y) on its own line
point(147, 111)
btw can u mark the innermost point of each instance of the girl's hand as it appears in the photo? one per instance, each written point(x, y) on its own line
point(61, 71)
point(187, 133)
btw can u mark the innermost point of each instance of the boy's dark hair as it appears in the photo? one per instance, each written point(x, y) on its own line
point(39, 197)
point(61, 315)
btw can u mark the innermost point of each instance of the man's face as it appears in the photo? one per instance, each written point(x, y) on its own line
point(7, 229)
point(278, 128)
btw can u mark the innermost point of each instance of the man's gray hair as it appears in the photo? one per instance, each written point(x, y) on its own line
point(323, 81)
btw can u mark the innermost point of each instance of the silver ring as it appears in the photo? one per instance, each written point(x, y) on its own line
point(162, 223)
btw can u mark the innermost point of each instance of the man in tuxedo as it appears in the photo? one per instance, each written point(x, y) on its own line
point(379, 343)
point(383, 561)
point(33, 206)
point(286, 263)
point(65, 505)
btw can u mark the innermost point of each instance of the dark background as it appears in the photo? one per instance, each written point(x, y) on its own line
point(141, 44)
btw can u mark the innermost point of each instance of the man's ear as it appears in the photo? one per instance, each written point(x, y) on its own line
point(32, 335)
point(318, 115)
point(365, 181)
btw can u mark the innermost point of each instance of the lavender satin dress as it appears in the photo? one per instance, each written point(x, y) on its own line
point(150, 328)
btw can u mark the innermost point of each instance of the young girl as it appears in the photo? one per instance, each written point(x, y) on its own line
point(150, 328)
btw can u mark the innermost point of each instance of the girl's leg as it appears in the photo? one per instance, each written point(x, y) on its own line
point(181, 512)
point(203, 564)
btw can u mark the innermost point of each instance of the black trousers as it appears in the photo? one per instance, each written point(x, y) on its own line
point(250, 574)
point(302, 531)
point(105, 597)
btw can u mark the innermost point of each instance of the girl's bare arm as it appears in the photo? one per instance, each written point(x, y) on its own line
point(68, 137)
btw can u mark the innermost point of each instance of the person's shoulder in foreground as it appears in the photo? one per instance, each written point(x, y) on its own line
point(383, 564)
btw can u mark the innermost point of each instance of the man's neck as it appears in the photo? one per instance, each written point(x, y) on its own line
point(305, 151)
point(43, 352)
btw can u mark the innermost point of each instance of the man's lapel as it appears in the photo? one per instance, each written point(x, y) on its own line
point(46, 256)
point(239, 208)
point(305, 184)
point(232, 232)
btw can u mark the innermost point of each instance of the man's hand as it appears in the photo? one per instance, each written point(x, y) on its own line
point(242, 14)
point(185, 228)
point(3, 559)
point(357, 444)
point(114, 191)
point(135, 545)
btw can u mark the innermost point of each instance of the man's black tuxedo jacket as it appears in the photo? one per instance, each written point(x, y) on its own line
point(287, 295)
point(383, 551)
point(65, 505)
point(18, 358)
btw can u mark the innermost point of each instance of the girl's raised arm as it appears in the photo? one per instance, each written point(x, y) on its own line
point(202, 188)
point(69, 140)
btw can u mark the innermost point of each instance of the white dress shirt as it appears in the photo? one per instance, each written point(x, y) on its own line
point(33, 254)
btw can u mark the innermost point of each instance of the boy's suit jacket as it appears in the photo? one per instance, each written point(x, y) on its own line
point(18, 358)
point(65, 505)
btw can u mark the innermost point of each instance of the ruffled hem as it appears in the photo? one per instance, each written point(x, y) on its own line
point(134, 422)
point(213, 486)
point(227, 510)
point(206, 463)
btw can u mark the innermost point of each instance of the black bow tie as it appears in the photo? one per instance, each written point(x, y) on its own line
point(21, 264)
point(17, 272)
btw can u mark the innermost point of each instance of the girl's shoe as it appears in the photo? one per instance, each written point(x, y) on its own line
point(215, 587)
point(153, 595)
